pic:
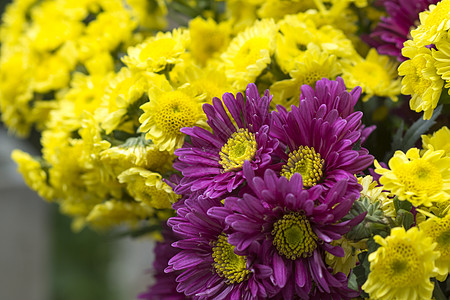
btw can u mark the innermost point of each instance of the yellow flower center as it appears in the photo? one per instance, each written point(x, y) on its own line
point(293, 236)
point(175, 111)
point(307, 162)
point(371, 74)
point(439, 230)
point(312, 77)
point(241, 146)
point(227, 263)
point(400, 264)
point(420, 177)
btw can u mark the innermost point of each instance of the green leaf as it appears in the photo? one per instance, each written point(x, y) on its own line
point(419, 127)
point(409, 139)
point(352, 283)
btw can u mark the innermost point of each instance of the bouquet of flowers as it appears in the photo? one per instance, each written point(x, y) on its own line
point(273, 149)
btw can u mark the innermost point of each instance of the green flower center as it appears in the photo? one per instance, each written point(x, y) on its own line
point(241, 146)
point(293, 236)
point(444, 238)
point(227, 263)
point(307, 162)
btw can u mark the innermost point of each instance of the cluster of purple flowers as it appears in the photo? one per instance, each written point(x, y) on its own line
point(264, 195)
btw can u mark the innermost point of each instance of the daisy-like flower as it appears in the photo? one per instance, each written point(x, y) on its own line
point(113, 212)
point(318, 136)
point(313, 66)
point(420, 179)
point(392, 31)
point(148, 187)
point(439, 140)
point(439, 230)
point(376, 74)
point(420, 80)
point(155, 53)
point(401, 268)
point(137, 152)
point(434, 24)
point(297, 230)
point(125, 90)
point(218, 38)
point(167, 112)
point(210, 267)
point(212, 162)
point(249, 53)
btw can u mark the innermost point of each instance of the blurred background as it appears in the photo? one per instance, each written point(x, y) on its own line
point(42, 259)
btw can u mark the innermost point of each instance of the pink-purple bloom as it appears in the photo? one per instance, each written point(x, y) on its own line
point(392, 31)
point(208, 266)
point(321, 137)
point(297, 228)
point(202, 160)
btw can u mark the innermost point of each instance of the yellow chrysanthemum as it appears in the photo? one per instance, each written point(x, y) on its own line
point(16, 91)
point(420, 179)
point(51, 27)
point(376, 75)
point(113, 213)
point(439, 140)
point(155, 53)
point(34, 174)
point(313, 66)
point(346, 263)
point(375, 192)
point(402, 267)
point(167, 112)
point(420, 79)
point(439, 230)
point(106, 32)
point(202, 48)
point(249, 53)
point(298, 32)
point(148, 187)
point(206, 83)
point(434, 24)
point(140, 153)
point(121, 100)
point(442, 58)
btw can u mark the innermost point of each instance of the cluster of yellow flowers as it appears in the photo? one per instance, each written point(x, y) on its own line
point(406, 260)
point(47, 47)
point(110, 97)
point(427, 69)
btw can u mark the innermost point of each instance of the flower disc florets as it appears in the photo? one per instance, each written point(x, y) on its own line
point(293, 236)
point(241, 146)
point(307, 162)
point(227, 263)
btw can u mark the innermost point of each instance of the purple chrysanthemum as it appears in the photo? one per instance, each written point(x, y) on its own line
point(392, 31)
point(320, 139)
point(295, 227)
point(165, 285)
point(210, 269)
point(212, 162)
